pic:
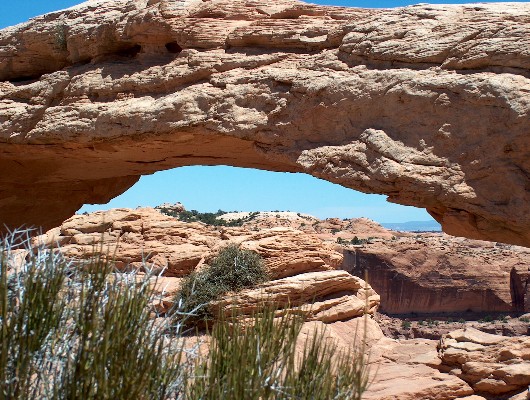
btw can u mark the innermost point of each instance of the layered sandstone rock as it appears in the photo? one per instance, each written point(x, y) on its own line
point(442, 274)
point(408, 370)
point(135, 237)
point(491, 364)
point(327, 229)
point(464, 363)
point(426, 104)
point(323, 296)
point(303, 268)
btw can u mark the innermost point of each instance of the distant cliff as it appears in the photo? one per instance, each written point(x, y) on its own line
point(441, 274)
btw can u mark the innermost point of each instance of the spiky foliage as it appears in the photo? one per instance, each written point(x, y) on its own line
point(71, 331)
point(233, 269)
point(259, 360)
point(79, 332)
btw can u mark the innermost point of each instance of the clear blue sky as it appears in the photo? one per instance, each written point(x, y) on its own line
point(228, 188)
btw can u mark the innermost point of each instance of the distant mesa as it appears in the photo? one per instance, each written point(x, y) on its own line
point(175, 208)
point(414, 226)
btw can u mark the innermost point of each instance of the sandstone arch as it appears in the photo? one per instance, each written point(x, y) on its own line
point(426, 104)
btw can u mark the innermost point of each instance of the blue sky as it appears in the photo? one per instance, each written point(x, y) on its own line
point(228, 188)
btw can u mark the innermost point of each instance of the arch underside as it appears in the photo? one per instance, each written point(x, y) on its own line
point(402, 103)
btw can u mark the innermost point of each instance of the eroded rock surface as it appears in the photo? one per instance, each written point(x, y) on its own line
point(430, 273)
point(466, 362)
point(408, 370)
point(326, 296)
point(491, 364)
point(327, 229)
point(426, 104)
point(134, 238)
point(303, 268)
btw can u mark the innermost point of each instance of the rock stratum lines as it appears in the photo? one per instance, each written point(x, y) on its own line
point(426, 104)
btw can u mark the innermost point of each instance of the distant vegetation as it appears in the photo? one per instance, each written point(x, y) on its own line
point(354, 241)
point(208, 218)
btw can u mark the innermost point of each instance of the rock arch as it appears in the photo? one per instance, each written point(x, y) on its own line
point(426, 104)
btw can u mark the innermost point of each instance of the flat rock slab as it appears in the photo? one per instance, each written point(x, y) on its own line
point(404, 382)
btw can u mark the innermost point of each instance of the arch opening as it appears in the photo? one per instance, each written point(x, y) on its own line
point(213, 188)
point(384, 122)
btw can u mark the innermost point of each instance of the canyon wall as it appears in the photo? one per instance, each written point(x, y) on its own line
point(444, 275)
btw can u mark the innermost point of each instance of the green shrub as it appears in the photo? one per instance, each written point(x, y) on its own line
point(232, 270)
point(80, 332)
point(71, 331)
point(61, 41)
point(208, 218)
point(263, 363)
point(356, 241)
point(406, 324)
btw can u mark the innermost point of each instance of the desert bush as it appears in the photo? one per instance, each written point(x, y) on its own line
point(80, 332)
point(85, 331)
point(60, 37)
point(263, 363)
point(208, 218)
point(406, 324)
point(231, 270)
point(356, 241)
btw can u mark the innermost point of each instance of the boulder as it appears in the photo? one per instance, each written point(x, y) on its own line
point(492, 365)
point(326, 296)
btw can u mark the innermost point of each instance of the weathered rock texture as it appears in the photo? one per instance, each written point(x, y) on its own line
point(426, 104)
point(323, 296)
point(466, 362)
point(491, 364)
point(434, 326)
point(441, 274)
point(303, 268)
point(327, 229)
point(134, 238)
point(408, 370)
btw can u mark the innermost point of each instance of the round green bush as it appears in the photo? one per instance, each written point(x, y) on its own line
point(232, 270)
